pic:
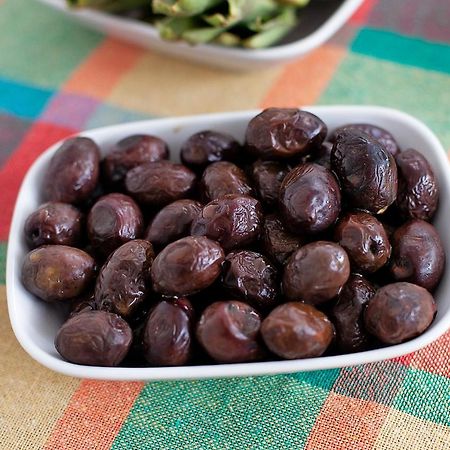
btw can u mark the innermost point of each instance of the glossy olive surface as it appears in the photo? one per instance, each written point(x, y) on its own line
point(73, 171)
point(366, 170)
point(310, 199)
point(159, 183)
point(131, 152)
point(418, 255)
point(206, 147)
point(54, 223)
point(399, 311)
point(173, 222)
point(57, 272)
point(418, 189)
point(233, 221)
point(187, 266)
point(113, 220)
point(229, 332)
point(295, 330)
point(316, 272)
point(380, 134)
point(267, 178)
point(252, 277)
point(123, 283)
point(347, 313)
point(222, 178)
point(364, 239)
point(167, 338)
point(94, 338)
point(279, 133)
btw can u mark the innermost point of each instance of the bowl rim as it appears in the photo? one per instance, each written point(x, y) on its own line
point(215, 370)
point(275, 53)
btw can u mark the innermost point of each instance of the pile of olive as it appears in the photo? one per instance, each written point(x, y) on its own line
point(298, 243)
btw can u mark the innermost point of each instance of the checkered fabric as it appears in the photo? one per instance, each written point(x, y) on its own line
point(57, 78)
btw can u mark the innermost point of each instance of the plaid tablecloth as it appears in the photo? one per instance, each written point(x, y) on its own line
point(57, 78)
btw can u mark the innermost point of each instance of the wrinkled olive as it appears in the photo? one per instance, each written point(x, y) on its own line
point(207, 147)
point(94, 338)
point(284, 132)
point(380, 134)
point(418, 190)
point(222, 178)
point(364, 239)
point(229, 332)
point(159, 183)
point(54, 223)
point(233, 221)
point(123, 283)
point(72, 174)
point(167, 338)
point(277, 242)
point(172, 222)
point(351, 335)
point(113, 220)
point(267, 177)
point(130, 152)
point(187, 266)
point(399, 311)
point(250, 276)
point(295, 330)
point(310, 199)
point(57, 272)
point(366, 170)
point(417, 254)
point(316, 272)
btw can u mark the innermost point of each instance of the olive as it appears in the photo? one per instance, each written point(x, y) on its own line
point(351, 335)
point(310, 199)
point(399, 311)
point(57, 272)
point(72, 174)
point(418, 190)
point(207, 147)
point(222, 178)
point(94, 338)
point(267, 177)
point(316, 272)
point(233, 221)
point(250, 276)
point(277, 242)
point(85, 302)
point(172, 222)
point(129, 153)
point(54, 223)
point(159, 183)
point(364, 239)
point(323, 155)
point(123, 283)
point(380, 134)
point(279, 133)
point(113, 220)
point(229, 332)
point(295, 330)
point(366, 170)
point(187, 266)
point(167, 337)
point(418, 255)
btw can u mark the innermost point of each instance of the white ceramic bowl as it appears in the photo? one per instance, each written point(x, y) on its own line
point(35, 322)
point(319, 21)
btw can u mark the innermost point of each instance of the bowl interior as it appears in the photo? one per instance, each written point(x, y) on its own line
point(35, 323)
point(312, 17)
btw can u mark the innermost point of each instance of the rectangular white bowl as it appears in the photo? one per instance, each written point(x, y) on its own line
point(319, 21)
point(35, 322)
